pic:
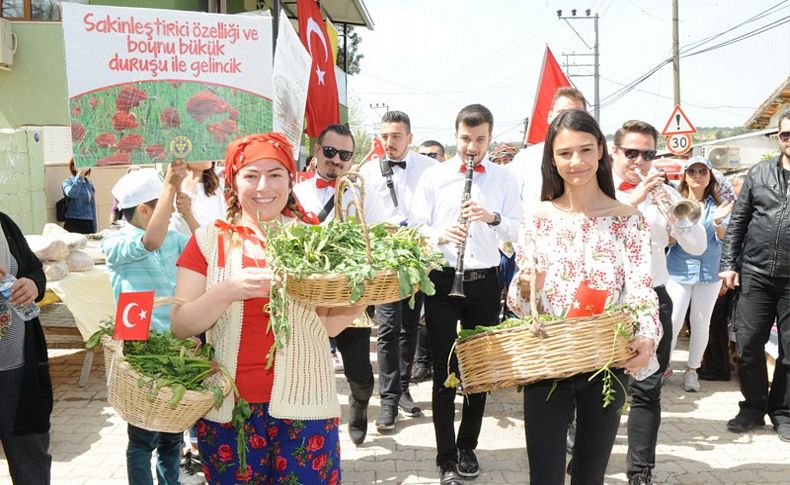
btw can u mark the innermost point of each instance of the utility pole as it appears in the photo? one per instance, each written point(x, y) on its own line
point(675, 53)
point(595, 54)
point(376, 107)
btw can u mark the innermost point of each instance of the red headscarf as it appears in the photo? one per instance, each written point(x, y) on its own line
point(272, 146)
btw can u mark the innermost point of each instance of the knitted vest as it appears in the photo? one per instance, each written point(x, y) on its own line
point(304, 381)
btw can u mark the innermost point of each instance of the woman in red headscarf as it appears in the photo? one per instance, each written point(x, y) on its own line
point(292, 432)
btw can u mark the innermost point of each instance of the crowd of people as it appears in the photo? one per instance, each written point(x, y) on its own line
point(537, 223)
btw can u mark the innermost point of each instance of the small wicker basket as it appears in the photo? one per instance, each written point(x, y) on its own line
point(332, 290)
point(549, 350)
point(133, 404)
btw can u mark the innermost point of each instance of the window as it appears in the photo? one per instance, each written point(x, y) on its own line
point(33, 9)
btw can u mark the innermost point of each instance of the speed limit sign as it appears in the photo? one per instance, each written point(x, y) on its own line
point(679, 143)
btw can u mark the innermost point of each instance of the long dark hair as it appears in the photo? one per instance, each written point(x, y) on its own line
point(573, 120)
point(210, 180)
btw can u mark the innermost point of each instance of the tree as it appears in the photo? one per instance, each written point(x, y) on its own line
point(353, 51)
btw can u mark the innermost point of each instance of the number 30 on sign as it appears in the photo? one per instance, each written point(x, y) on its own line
point(679, 143)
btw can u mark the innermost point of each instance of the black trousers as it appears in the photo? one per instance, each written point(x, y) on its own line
point(442, 312)
point(80, 226)
point(716, 359)
point(396, 344)
point(548, 406)
point(644, 417)
point(354, 345)
point(761, 301)
point(422, 357)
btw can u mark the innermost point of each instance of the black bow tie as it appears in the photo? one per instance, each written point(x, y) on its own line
point(401, 164)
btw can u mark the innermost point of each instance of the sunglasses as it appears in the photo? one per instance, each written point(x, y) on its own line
point(330, 152)
point(633, 154)
point(431, 155)
point(784, 135)
point(697, 171)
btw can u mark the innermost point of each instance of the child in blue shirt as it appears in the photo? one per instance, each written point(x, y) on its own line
point(141, 257)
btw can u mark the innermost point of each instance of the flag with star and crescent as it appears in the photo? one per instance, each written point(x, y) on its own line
point(588, 301)
point(133, 315)
point(322, 99)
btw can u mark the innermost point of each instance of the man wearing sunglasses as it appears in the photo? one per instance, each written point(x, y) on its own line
point(756, 257)
point(389, 189)
point(432, 149)
point(632, 158)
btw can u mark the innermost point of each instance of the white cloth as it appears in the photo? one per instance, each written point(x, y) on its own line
point(693, 240)
point(437, 206)
point(314, 199)
point(525, 167)
point(378, 202)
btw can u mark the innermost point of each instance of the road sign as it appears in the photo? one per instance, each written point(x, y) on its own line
point(679, 143)
point(678, 123)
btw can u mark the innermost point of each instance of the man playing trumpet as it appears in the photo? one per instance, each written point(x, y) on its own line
point(632, 157)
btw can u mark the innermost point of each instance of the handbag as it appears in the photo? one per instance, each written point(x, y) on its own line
point(61, 207)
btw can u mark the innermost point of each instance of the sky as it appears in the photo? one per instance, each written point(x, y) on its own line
point(430, 58)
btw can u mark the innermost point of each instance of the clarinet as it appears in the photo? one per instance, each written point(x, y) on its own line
point(458, 280)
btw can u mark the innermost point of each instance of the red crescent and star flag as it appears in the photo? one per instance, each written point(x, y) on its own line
point(375, 153)
point(551, 79)
point(588, 301)
point(133, 315)
point(322, 100)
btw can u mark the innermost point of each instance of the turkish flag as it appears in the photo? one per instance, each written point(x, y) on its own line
point(551, 79)
point(588, 301)
point(133, 315)
point(322, 101)
point(375, 153)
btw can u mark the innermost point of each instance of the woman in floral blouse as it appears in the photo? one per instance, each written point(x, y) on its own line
point(581, 232)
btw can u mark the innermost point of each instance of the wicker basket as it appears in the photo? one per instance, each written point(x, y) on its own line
point(331, 290)
point(133, 404)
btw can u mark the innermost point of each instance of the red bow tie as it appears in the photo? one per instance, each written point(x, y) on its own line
point(322, 184)
point(245, 233)
point(479, 168)
point(624, 186)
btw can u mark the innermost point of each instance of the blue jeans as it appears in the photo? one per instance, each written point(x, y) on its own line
point(142, 443)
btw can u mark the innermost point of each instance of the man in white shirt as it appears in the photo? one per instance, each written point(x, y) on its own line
point(334, 150)
point(632, 157)
point(526, 164)
point(493, 213)
point(389, 192)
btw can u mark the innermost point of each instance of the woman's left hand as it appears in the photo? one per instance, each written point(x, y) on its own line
point(23, 292)
point(644, 349)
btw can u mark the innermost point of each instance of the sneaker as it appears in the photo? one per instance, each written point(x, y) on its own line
point(743, 423)
point(387, 417)
point(421, 374)
point(783, 431)
point(337, 361)
point(408, 406)
point(357, 420)
point(570, 438)
point(691, 381)
point(448, 474)
point(467, 466)
point(190, 471)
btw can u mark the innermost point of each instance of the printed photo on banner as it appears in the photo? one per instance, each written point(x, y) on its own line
point(149, 85)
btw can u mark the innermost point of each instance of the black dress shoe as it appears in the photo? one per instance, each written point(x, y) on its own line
point(448, 475)
point(643, 478)
point(783, 431)
point(408, 406)
point(387, 417)
point(743, 423)
point(421, 374)
point(357, 420)
point(468, 467)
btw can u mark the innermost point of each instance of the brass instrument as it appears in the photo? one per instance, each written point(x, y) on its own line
point(681, 213)
point(458, 280)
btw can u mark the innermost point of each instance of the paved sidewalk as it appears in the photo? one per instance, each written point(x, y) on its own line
point(89, 438)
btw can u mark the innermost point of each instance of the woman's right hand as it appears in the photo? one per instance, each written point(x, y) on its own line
point(524, 281)
point(249, 283)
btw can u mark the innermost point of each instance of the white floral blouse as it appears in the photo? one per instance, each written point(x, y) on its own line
point(612, 252)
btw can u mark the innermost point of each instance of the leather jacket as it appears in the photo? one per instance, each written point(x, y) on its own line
point(759, 229)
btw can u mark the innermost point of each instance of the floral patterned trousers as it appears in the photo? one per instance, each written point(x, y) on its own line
point(280, 451)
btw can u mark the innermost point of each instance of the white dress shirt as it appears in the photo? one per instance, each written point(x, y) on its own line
point(693, 240)
point(378, 202)
point(526, 168)
point(314, 199)
point(437, 206)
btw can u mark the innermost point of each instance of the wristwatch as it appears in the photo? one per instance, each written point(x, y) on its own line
point(497, 219)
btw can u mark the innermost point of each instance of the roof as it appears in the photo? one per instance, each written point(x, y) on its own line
point(774, 102)
point(351, 12)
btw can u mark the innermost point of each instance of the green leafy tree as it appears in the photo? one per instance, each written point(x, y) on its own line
point(354, 56)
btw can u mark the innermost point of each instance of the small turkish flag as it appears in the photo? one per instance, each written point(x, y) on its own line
point(133, 315)
point(375, 153)
point(588, 301)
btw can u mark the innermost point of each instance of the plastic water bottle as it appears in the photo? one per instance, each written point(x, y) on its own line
point(27, 312)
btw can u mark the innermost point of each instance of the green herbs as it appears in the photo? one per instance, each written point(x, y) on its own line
point(509, 323)
point(608, 391)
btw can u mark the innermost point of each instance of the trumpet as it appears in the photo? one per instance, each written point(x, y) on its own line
point(457, 288)
point(681, 213)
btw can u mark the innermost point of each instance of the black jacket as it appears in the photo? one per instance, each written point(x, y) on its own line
point(35, 399)
point(759, 229)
